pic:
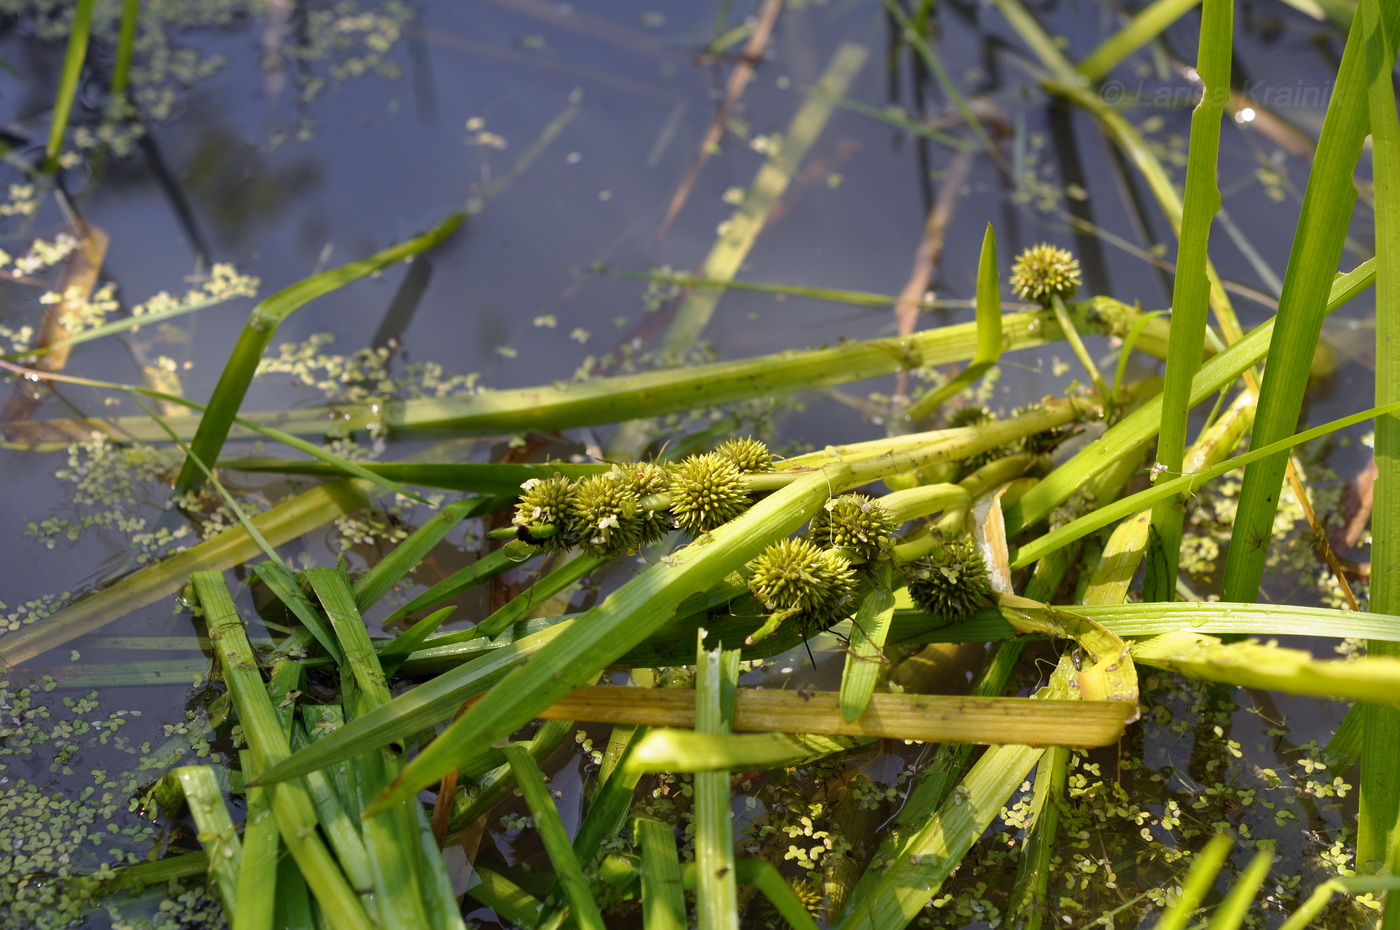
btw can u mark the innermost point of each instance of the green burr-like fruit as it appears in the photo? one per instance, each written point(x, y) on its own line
point(803, 581)
point(951, 582)
point(607, 515)
point(707, 491)
point(856, 523)
point(749, 454)
point(546, 502)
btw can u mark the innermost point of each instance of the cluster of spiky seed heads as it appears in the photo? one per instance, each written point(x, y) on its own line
point(812, 580)
point(630, 506)
point(804, 582)
point(1044, 272)
point(951, 582)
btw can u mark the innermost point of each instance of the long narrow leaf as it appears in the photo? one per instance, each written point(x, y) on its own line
point(1380, 773)
point(556, 840)
point(286, 521)
point(291, 804)
point(267, 316)
point(1317, 247)
point(716, 892)
point(73, 58)
point(1136, 429)
point(1191, 293)
point(663, 903)
point(989, 341)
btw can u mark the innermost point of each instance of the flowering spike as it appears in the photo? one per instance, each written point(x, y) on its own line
point(547, 502)
point(1044, 272)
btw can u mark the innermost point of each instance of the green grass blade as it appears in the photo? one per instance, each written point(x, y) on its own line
point(764, 876)
point(492, 784)
point(556, 582)
point(1205, 866)
point(1136, 429)
point(402, 646)
point(551, 831)
point(393, 837)
point(689, 751)
point(1317, 246)
point(833, 295)
point(1191, 291)
point(473, 477)
point(716, 891)
point(407, 555)
point(482, 570)
point(865, 657)
point(612, 802)
point(72, 73)
point(216, 832)
point(610, 400)
point(335, 465)
point(893, 897)
point(989, 340)
point(280, 580)
point(663, 903)
point(131, 323)
point(506, 898)
point(267, 316)
point(258, 886)
point(1184, 485)
point(1291, 671)
point(291, 804)
point(1147, 24)
point(1231, 913)
point(1030, 898)
point(126, 45)
point(1380, 772)
point(284, 522)
point(430, 703)
point(332, 588)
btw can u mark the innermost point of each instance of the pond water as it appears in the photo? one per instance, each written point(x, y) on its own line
point(608, 103)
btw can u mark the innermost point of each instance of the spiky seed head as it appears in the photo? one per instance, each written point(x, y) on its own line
point(1042, 442)
point(547, 502)
point(854, 522)
point(951, 582)
point(972, 415)
point(975, 415)
point(1043, 272)
point(707, 491)
point(749, 454)
point(648, 479)
point(606, 517)
point(813, 585)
